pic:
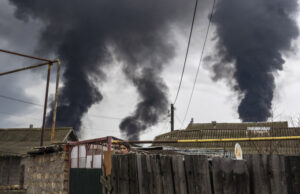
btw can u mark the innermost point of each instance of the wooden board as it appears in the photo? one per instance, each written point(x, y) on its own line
point(293, 173)
point(115, 174)
point(180, 184)
point(156, 177)
point(197, 174)
point(123, 174)
point(230, 176)
point(133, 174)
point(167, 175)
point(107, 161)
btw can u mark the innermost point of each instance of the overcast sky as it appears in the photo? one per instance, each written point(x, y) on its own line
point(212, 101)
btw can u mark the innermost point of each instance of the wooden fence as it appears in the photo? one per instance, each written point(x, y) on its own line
point(196, 174)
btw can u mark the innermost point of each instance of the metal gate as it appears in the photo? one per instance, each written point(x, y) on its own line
point(85, 181)
point(86, 164)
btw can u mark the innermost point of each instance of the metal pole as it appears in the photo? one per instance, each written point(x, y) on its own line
point(109, 141)
point(280, 138)
point(45, 104)
point(23, 55)
point(24, 68)
point(172, 117)
point(55, 101)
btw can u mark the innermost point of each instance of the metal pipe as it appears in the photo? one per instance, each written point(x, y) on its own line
point(23, 55)
point(97, 140)
point(69, 168)
point(24, 68)
point(212, 140)
point(45, 105)
point(55, 101)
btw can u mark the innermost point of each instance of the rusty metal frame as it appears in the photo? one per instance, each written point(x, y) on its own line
point(107, 141)
point(104, 141)
point(50, 64)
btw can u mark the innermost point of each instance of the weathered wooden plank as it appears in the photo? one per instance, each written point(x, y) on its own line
point(156, 178)
point(293, 173)
point(258, 174)
point(124, 178)
point(277, 174)
point(167, 174)
point(189, 171)
point(107, 161)
point(140, 173)
point(197, 174)
point(179, 174)
point(267, 174)
point(230, 176)
point(145, 178)
point(150, 174)
point(201, 174)
point(115, 174)
point(133, 174)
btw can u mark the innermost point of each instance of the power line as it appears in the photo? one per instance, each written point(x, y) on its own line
point(200, 61)
point(187, 51)
point(32, 103)
point(19, 100)
point(10, 114)
point(178, 119)
point(106, 117)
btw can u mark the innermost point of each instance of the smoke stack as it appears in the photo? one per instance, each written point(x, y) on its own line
point(86, 34)
point(251, 36)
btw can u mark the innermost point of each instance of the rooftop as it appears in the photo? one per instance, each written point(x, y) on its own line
point(18, 141)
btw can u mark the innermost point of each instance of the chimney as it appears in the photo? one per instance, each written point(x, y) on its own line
point(214, 124)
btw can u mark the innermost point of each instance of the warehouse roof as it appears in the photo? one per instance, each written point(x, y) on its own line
point(18, 141)
point(245, 130)
point(244, 125)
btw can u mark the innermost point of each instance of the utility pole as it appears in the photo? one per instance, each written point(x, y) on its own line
point(172, 117)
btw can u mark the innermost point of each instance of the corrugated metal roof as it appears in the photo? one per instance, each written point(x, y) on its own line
point(18, 141)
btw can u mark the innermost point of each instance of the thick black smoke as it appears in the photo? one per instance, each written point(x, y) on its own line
point(80, 33)
point(251, 37)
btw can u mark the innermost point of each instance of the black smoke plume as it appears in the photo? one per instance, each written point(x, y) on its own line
point(251, 36)
point(80, 33)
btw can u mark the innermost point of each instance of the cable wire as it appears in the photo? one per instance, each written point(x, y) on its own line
point(187, 52)
point(32, 103)
point(19, 100)
point(200, 61)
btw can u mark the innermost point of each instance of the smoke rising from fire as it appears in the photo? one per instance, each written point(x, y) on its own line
point(251, 36)
point(80, 32)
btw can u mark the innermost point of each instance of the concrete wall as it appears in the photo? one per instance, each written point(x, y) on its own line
point(47, 173)
point(11, 171)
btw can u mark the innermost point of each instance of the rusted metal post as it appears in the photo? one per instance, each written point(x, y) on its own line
point(109, 143)
point(55, 101)
point(70, 148)
point(45, 104)
point(24, 68)
point(23, 55)
point(78, 156)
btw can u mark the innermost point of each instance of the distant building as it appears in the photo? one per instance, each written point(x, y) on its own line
point(216, 130)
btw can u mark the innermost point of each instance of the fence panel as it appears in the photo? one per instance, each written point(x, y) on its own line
point(230, 176)
point(188, 174)
point(179, 174)
point(293, 173)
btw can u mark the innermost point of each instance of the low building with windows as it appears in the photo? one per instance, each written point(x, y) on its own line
point(216, 130)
